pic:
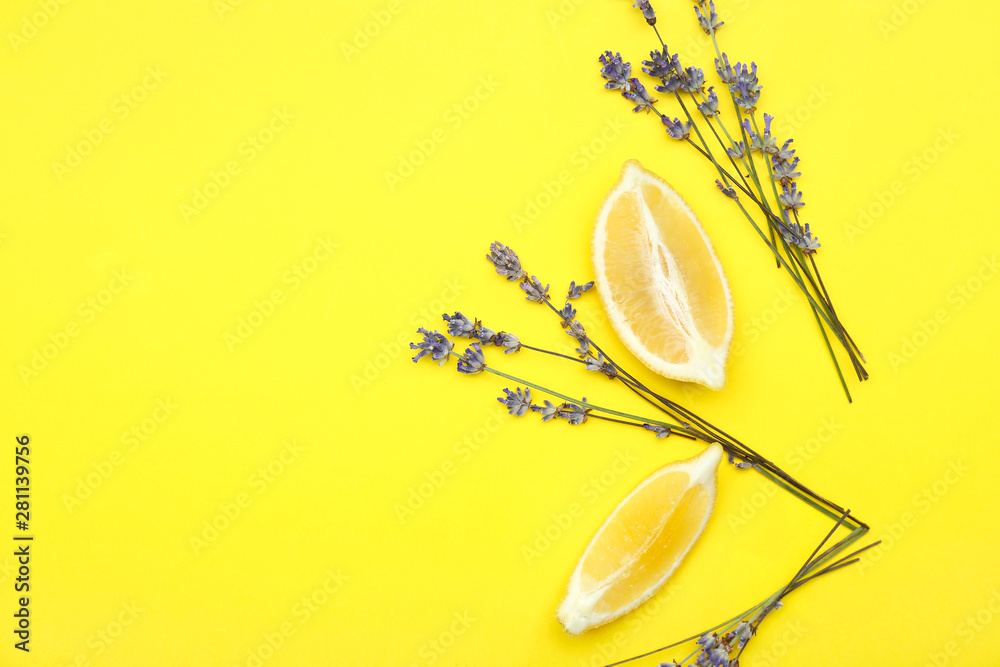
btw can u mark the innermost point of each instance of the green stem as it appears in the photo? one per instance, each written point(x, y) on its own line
point(586, 404)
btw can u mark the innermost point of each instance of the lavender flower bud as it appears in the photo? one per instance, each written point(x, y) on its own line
point(615, 71)
point(710, 107)
point(729, 192)
point(768, 144)
point(638, 96)
point(791, 197)
point(534, 290)
point(459, 326)
point(472, 361)
point(747, 76)
point(671, 84)
point(755, 142)
point(567, 314)
point(576, 291)
point(803, 238)
point(659, 64)
point(548, 411)
point(784, 171)
point(725, 70)
point(718, 657)
point(744, 86)
point(509, 342)
point(676, 129)
point(506, 261)
point(573, 413)
point(741, 634)
point(711, 22)
point(433, 344)
point(600, 364)
point(786, 152)
point(517, 403)
point(747, 96)
point(660, 431)
point(693, 80)
point(738, 150)
point(647, 11)
point(576, 330)
point(484, 334)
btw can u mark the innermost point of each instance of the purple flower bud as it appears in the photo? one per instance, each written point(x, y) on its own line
point(638, 96)
point(729, 192)
point(433, 344)
point(791, 197)
point(647, 11)
point(616, 71)
point(517, 403)
point(508, 341)
point(659, 64)
point(505, 261)
point(548, 411)
point(660, 431)
point(472, 361)
point(725, 70)
point(710, 22)
point(576, 291)
point(459, 325)
point(573, 413)
point(676, 129)
point(534, 290)
point(710, 107)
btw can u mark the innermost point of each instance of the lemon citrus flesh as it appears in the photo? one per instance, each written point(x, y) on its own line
point(660, 281)
point(641, 543)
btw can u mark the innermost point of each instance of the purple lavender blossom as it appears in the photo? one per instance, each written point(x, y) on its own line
point(517, 403)
point(784, 170)
point(676, 129)
point(660, 431)
point(725, 70)
point(433, 344)
point(534, 290)
point(548, 411)
point(576, 291)
point(791, 197)
point(506, 261)
point(709, 21)
point(509, 342)
point(729, 192)
point(710, 107)
point(693, 80)
point(600, 364)
point(659, 64)
point(573, 413)
point(459, 326)
point(616, 71)
point(647, 11)
point(472, 361)
point(638, 96)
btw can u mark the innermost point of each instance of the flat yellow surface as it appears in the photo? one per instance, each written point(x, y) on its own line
point(222, 222)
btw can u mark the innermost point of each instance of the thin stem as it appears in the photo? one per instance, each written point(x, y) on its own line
point(569, 399)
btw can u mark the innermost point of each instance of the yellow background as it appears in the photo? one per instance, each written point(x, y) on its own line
point(233, 340)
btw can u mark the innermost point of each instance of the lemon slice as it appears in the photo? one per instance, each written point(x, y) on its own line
point(641, 543)
point(660, 280)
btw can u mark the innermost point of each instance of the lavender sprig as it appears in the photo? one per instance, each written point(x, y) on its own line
point(756, 157)
point(724, 643)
